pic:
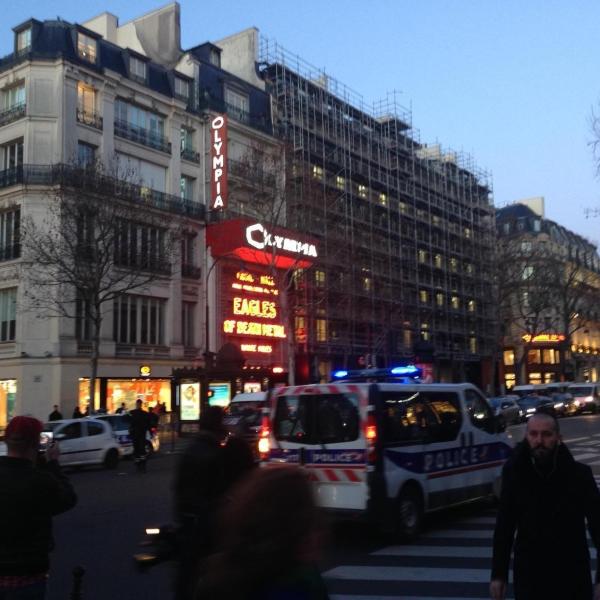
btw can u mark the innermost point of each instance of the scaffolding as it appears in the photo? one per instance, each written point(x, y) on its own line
point(406, 229)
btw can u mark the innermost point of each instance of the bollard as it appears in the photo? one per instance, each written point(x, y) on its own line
point(76, 592)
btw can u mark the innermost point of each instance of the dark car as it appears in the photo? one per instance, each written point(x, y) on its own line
point(534, 403)
point(244, 414)
point(571, 405)
point(507, 409)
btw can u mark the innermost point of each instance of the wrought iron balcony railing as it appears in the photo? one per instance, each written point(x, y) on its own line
point(190, 271)
point(143, 136)
point(79, 178)
point(12, 114)
point(89, 118)
point(191, 155)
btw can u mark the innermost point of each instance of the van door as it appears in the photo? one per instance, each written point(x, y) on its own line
point(487, 448)
point(322, 432)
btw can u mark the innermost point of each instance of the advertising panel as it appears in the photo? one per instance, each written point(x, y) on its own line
point(220, 394)
point(190, 401)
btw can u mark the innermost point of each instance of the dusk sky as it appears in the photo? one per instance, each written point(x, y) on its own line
point(510, 83)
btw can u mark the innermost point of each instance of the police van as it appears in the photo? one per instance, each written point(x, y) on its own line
point(388, 450)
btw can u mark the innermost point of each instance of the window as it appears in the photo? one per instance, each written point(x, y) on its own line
point(534, 357)
point(423, 296)
point(537, 225)
point(72, 431)
point(8, 311)
point(317, 172)
point(550, 356)
point(137, 68)
point(215, 57)
point(509, 358)
point(187, 323)
point(187, 249)
point(12, 154)
point(383, 200)
point(439, 299)
point(237, 104)
point(13, 96)
point(480, 413)
point(139, 125)
point(453, 265)
point(86, 154)
point(86, 98)
point(367, 284)
point(527, 273)
point(469, 268)
point(187, 139)
point(340, 182)
point(291, 418)
point(83, 321)
point(473, 344)
point(471, 306)
point(139, 320)
point(10, 234)
point(86, 47)
point(425, 335)
point(94, 428)
point(321, 330)
point(526, 247)
point(24, 40)
point(438, 261)
point(455, 302)
point(468, 233)
point(140, 246)
point(510, 380)
point(362, 191)
point(182, 88)
point(420, 417)
point(186, 188)
point(422, 256)
point(320, 278)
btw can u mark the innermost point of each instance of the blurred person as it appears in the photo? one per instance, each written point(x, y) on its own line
point(55, 415)
point(138, 427)
point(122, 409)
point(77, 414)
point(271, 532)
point(208, 468)
point(31, 493)
point(546, 498)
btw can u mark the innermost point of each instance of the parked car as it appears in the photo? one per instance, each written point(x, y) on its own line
point(244, 416)
point(588, 396)
point(83, 442)
point(534, 403)
point(120, 426)
point(506, 408)
point(571, 405)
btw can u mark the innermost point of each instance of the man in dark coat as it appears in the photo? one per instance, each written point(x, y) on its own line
point(55, 415)
point(208, 468)
point(138, 427)
point(31, 493)
point(546, 498)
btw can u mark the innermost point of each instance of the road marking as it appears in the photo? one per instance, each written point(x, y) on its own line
point(349, 597)
point(571, 440)
point(459, 533)
point(432, 551)
point(589, 443)
point(587, 455)
point(379, 573)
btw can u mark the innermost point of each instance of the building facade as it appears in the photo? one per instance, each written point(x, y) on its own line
point(549, 293)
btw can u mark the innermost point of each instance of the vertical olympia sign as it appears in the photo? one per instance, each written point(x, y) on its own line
point(218, 162)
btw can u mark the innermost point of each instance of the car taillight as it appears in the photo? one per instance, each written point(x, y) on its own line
point(371, 437)
point(263, 438)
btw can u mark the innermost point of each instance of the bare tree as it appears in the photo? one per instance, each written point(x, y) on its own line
point(96, 237)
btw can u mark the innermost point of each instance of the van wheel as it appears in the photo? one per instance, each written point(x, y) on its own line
point(409, 514)
point(111, 460)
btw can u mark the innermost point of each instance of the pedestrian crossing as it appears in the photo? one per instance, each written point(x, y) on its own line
point(443, 564)
point(585, 449)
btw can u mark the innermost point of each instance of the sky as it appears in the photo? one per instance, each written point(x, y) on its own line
point(510, 83)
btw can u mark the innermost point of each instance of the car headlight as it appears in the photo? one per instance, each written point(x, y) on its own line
point(589, 399)
point(559, 404)
point(531, 410)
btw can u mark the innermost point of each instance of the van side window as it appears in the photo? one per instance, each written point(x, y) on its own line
point(337, 418)
point(480, 413)
point(421, 417)
point(291, 419)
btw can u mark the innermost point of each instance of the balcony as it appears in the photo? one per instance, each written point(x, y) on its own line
point(142, 136)
point(89, 118)
point(191, 155)
point(14, 113)
point(261, 122)
point(190, 271)
point(92, 181)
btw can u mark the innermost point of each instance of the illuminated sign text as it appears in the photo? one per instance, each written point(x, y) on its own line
point(544, 337)
point(262, 348)
point(218, 162)
point(254, 308)
point(258, 237)
point(253, 328)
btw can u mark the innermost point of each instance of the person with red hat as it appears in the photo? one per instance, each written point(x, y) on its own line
point(31, 493)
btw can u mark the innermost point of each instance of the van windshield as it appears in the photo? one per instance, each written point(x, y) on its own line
point(250, 410)
point(581, 390)
point(317, 419)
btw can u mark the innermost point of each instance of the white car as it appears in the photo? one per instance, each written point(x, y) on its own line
point(83, 442)
point(120, 426)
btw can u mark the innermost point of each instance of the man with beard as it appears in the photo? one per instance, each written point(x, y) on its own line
point(546, 498)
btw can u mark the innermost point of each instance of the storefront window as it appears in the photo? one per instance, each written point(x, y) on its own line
point(534, 357)
point(550, 356)
point(509, 380)
point(84, 395)
point(509, 357)
point(535, 378)
point(128, 391)
point(8, 396)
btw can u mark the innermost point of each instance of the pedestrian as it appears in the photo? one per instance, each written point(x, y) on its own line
point(122, 409)
point(138, 428)
point(77, 414)
point(208, 468)
point(55, 415)
point(271, 532)
point(162, 408)
point(31, 493)
point(546, 498)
